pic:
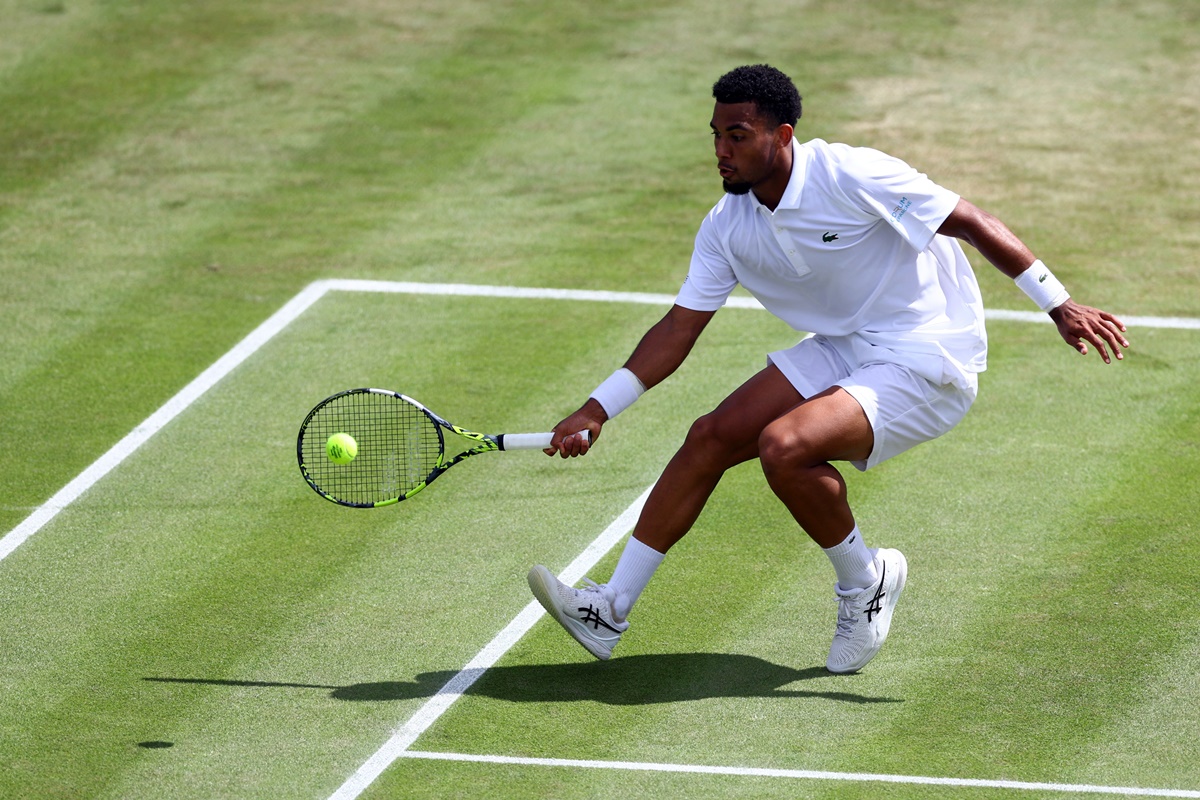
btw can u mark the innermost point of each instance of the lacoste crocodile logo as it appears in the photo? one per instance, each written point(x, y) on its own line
point(828, 237)
point(1042, 279)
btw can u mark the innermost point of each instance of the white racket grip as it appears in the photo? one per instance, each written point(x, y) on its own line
point(531, 441)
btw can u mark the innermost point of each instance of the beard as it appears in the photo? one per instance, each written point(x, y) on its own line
point(736, 188)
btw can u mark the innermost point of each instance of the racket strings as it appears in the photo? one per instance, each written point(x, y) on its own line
point(398, 446)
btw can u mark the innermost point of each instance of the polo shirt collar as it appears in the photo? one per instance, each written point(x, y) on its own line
point(795, 187)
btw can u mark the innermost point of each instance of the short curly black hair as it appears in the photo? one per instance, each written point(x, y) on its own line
point(769, 89)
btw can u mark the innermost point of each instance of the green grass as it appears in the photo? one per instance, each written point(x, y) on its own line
point(171, 174)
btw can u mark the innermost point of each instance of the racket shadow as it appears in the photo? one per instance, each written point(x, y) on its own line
point(630, 680)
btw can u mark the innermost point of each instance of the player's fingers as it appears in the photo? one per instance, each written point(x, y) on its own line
point(1107, 317)
point(572, 446)
point(1115, 341)
point(1105, 334)
point(1076, 336)
point(1113, 328)
point(1094, 338)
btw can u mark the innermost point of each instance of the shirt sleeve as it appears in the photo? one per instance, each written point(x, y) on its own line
point(710, 279)
point(890, 189)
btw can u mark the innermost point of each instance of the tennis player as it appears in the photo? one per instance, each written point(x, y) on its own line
point(860, 250)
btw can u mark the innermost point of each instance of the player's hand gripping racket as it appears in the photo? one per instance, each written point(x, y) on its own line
point(396, 447)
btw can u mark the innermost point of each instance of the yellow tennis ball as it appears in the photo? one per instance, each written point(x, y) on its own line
point(341, 448)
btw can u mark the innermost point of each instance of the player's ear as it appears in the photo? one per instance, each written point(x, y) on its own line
point(784, 134)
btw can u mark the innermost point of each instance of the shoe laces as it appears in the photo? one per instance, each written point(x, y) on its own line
point(601, 589)
point(850, 608)
point(846, 617)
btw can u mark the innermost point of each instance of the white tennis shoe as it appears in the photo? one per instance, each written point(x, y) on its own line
point(585, 613)
point(865, 615)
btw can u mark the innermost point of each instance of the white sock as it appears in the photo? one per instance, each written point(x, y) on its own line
point(634, 570)
point(853, 562)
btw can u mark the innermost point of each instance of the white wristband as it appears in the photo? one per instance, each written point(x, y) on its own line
point(1042, 287)
point(618, 392)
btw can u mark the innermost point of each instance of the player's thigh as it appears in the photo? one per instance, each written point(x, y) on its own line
point(830, 426)
point(734, 426)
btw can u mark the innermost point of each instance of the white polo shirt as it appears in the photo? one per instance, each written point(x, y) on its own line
point(852, 253)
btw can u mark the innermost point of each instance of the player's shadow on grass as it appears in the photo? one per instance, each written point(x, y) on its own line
point(631, 680)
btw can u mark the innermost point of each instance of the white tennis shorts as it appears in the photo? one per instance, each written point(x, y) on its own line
point(903, 408)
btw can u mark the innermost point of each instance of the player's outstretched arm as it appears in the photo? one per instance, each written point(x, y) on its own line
point(660, 352)
point(1078, 324)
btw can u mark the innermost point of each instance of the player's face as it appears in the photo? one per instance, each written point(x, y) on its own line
point(747, 146)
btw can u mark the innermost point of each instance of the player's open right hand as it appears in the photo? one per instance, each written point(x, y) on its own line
point(1079, 324)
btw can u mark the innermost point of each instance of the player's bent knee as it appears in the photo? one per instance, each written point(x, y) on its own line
point(783, 449)
point(705, 435)
point(713, 440)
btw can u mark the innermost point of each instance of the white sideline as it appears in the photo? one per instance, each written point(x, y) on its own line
point(804, 774)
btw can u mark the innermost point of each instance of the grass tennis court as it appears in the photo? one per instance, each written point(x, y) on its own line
point(199, 624)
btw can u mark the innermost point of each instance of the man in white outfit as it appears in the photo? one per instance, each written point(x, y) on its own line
point(860, 250)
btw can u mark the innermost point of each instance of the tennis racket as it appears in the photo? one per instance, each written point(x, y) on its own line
point(401, 447)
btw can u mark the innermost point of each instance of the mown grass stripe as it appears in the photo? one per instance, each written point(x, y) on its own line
point(72, 96)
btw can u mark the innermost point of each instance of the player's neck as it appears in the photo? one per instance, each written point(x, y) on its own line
point(770, 191)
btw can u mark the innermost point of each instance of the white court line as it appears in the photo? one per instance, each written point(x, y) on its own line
point(804, 774)
point(1183, 323)
point(645, 298)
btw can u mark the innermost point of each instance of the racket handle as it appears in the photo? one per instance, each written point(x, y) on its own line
point(531, 441)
